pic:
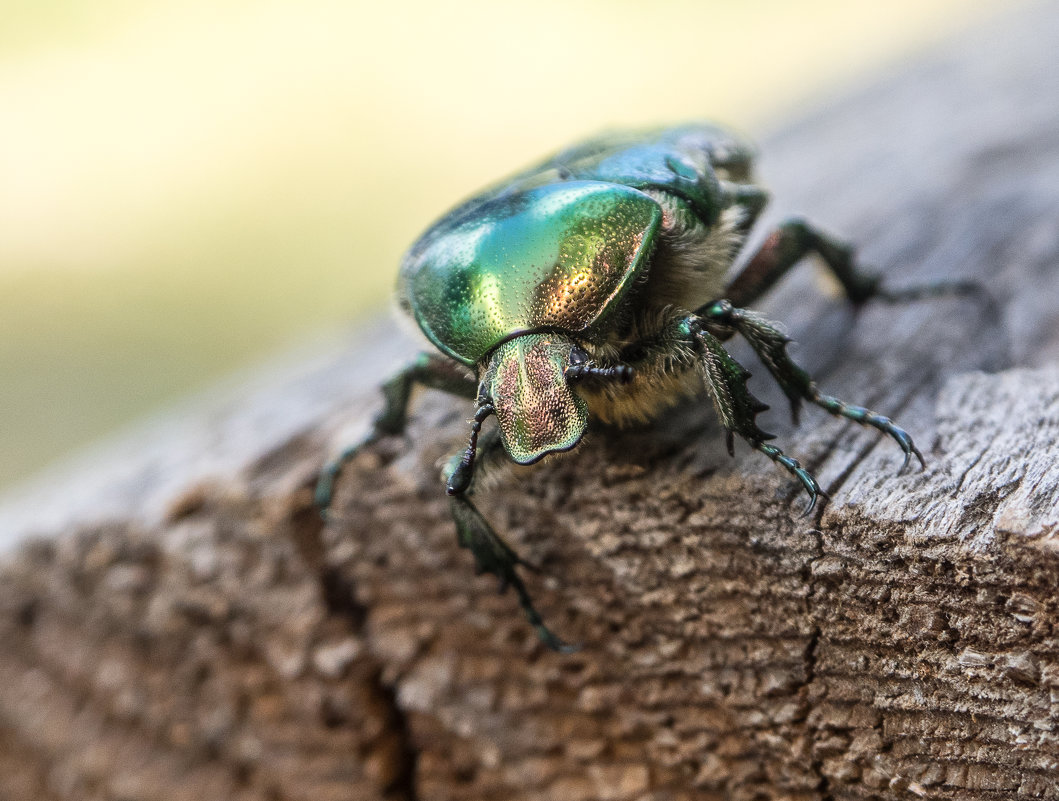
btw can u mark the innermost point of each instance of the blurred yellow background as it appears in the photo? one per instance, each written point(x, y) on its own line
point(186, 186)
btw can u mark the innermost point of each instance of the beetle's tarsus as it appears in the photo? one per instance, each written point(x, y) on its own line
point(869, 418)
point(794, 467)
point(926, 291)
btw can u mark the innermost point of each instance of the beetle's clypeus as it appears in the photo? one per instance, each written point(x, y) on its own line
point(595, 284)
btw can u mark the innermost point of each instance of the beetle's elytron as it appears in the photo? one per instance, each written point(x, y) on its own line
point(596, 284)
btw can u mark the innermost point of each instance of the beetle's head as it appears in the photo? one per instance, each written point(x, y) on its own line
point(537, 409)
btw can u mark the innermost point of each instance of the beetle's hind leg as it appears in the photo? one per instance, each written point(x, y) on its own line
point(465, 472)
point(795, 239)
point(428, 370)
point(770, 345)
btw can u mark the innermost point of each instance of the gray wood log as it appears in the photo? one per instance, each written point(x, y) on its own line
point(903, 642)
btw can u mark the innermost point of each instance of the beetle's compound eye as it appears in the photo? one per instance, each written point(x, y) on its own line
point(537, 411)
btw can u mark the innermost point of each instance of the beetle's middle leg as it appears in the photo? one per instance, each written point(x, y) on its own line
point(794, 240)
point(770, 345)
point(491, 554)
point(426, 369)
point(685, 342)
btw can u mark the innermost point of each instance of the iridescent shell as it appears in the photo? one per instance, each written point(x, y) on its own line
point(558, 256)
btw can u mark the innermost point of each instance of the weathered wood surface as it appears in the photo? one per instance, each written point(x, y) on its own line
point(903, 642)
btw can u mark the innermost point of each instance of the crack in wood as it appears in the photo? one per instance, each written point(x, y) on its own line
point(340, 599)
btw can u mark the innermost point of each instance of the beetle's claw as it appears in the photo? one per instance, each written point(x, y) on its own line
point(912, 449)
point(808, 510)
point(795, 469)
point(922, 461)
point(812, 487)
point(554, 642)
point(907, 446)
point(818, 494)
point(545, 634)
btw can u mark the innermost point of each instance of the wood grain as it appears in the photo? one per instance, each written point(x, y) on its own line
point(903, 642)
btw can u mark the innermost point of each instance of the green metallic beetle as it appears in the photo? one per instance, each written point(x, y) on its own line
point(595, 284)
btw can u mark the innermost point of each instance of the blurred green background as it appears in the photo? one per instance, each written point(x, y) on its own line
point(187, 186)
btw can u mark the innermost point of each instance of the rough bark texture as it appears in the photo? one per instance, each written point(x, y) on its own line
point(904, 641)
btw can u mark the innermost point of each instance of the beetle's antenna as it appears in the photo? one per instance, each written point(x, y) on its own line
point(460, 479)
point(623, 373)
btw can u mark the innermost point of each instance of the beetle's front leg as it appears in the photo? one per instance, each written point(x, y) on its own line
point(737, 407)
point(770, 345)
point(794, 240)
point(428, 370)
point(491, 553)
